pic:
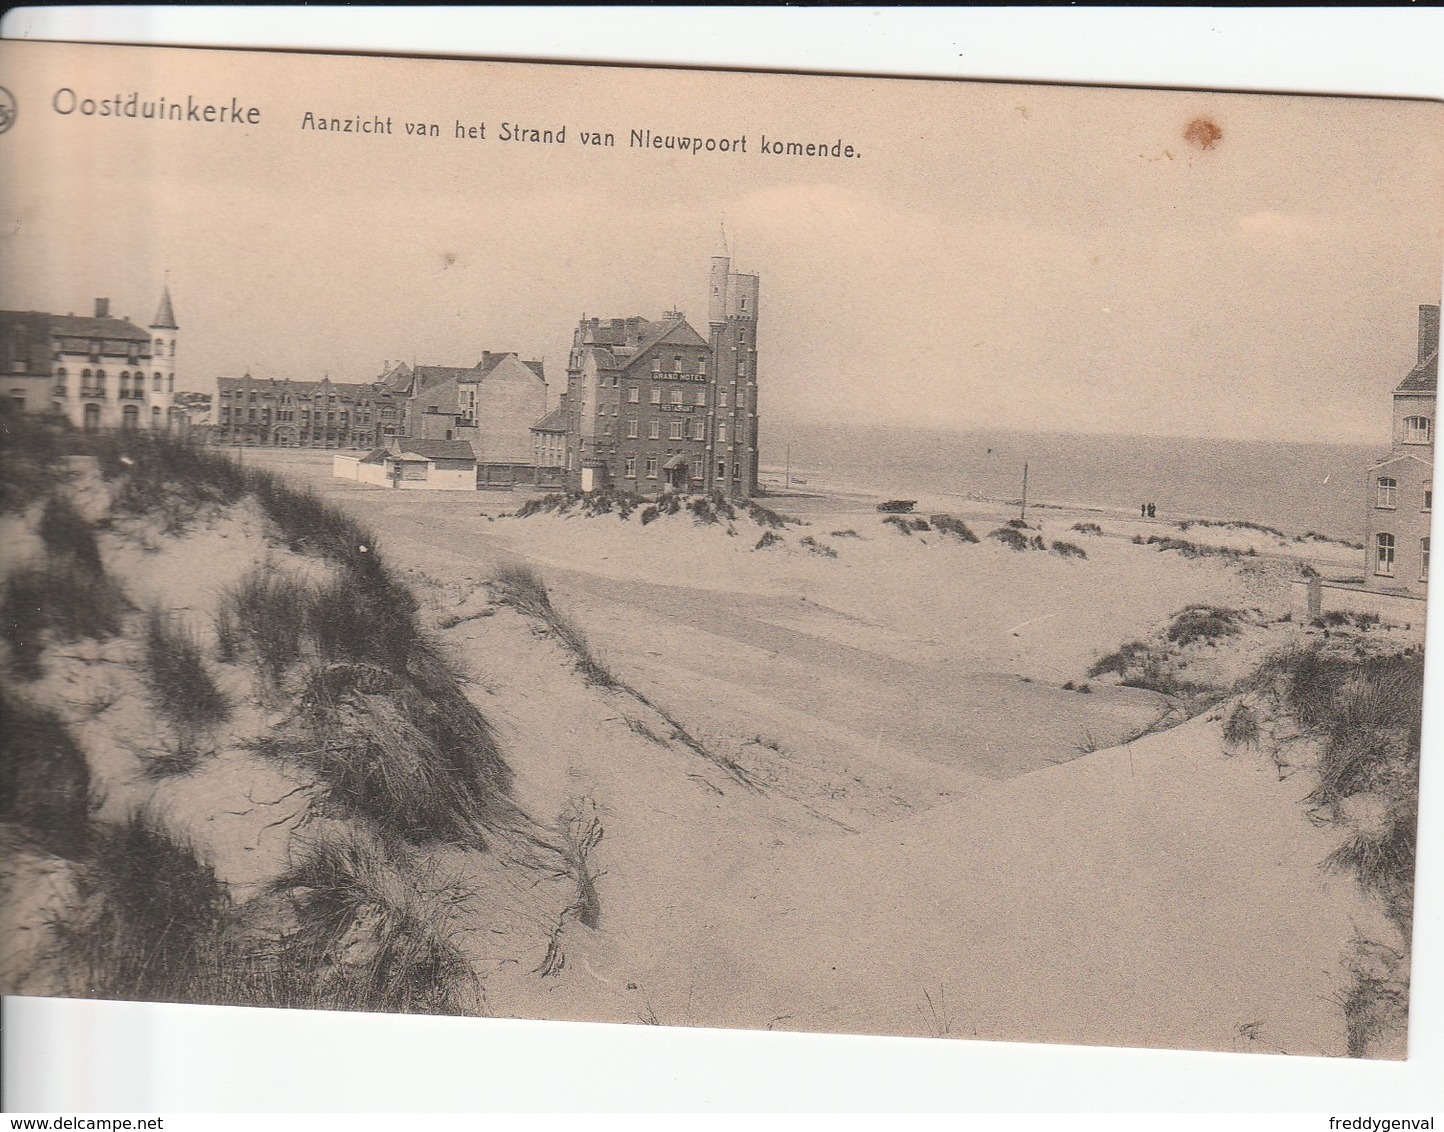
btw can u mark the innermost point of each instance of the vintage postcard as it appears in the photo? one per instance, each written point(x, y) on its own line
point(715, 549)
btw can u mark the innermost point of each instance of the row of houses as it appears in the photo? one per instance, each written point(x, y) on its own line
point(649, 405)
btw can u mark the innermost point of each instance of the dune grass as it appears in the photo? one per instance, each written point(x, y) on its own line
point(369, 932)
point(1366, 713)
point(155, 917)
point(1013, 538)
point(181, 686)
point(67, 534)
point(64, 599)
point(44, 778)
point(1241, 727)
point(905, 526)
point(1192, 549)
point(766, 517)
point(33, 448)
point(1232, 524)
point(523, 589)
point(263, 617)
point(1208, 623)
point(949, 525)
point(364, 928)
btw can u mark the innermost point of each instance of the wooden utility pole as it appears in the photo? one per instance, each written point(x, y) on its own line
point(787, 476)
point(1023, 514)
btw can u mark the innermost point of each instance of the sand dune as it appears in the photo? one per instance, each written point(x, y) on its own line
point(928, 851)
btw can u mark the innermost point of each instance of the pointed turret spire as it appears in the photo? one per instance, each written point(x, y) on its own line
point(164, 315)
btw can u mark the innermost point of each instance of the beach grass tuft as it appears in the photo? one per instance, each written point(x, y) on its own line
point(44, 778)
point(948, 525)
point(370, 932)
point(819, 548)
point(181, 686)
point(1013, 538)
point(1208, 623)
point(65, 598)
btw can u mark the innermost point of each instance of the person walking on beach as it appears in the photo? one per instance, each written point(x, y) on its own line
point(1143, 510)
point(1152, 511)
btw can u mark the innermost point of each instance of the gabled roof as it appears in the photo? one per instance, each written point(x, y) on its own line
point(621, 343)
point(396, 377)
point(164, 315)
point(675, 332)
point(1423, 378)
point(490, 361)
point(427, 376)
point(77, 326)
point(555, 421)
point(375, 456)
point(437, 449)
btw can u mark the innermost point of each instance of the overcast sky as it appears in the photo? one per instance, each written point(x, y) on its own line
point(1051, 258)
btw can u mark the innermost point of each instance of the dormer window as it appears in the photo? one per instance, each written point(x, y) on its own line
point(1418, 430)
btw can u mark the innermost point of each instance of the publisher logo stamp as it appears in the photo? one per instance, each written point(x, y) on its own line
point(7, 110)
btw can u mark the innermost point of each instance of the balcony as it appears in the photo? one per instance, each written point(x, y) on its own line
point(129, 395)
point(92, 391)
point(59, 391)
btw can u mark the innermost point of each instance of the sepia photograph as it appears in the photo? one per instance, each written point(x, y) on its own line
point(692, 548)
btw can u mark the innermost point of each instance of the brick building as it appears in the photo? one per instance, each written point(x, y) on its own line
point(299, 414)
point(98, 371)
point(1400, 495)
point(653, 406)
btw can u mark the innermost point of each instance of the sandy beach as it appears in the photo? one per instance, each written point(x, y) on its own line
point(941, 838)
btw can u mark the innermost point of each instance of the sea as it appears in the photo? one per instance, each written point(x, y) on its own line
point(1295, 487)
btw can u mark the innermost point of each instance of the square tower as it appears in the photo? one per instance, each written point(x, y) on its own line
point(732, 302)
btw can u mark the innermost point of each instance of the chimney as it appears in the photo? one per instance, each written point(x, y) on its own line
point(102, 309)
point(1428, 330)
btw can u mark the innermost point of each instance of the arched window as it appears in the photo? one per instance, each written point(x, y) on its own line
point(1388, 491)
point(125, 383)
point(60, 374)
point(1384, 555)
point(92, 417)
point(170, 383)
point(159, 347)
point(155, 416)
point(172, 347)
point(85, 376)
point(1418, 430)
point(130, 417)
point(156, 383)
